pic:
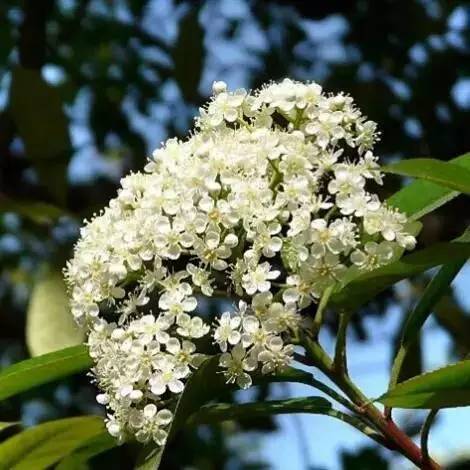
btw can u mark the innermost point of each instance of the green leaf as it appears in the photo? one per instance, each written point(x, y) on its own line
point(43, 369)
point(442, 388)
point(188, 56)
point(421, 197)
point(50, 325)
point(229, 411)
point(366, 286)
point(44, 445)
point(6, 425)
point(150, 458)
point(204, 385)
point(95, 446)
point(433, 293)
point(37, 110)
point(38, 212)
point(442, 173)
point(311, 405)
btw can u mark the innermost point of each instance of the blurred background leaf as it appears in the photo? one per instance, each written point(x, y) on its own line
point(36, 108)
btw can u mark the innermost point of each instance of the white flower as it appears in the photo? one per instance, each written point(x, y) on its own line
point(130, 305)
point(324, 272)
point(211, 251)
point(391, 224)
point(346, 181)
point(359, 203)
point(176, 302)
point(149, 328)
point(238, 364)
point(149, 423)
point(191, 327)
point(373, 256)
point(201, 278)
point(259, 278)
point(282, 317)
point(276, 356)
point(324, 239)
point(255, 334)
point(264, 238)
point(227, 331)
point(172, 239)
point(184, 352)
point(168, 376)
point(225, 106)
point(219, 87)
point(299, 289)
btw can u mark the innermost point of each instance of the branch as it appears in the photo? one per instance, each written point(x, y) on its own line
point(393, 435)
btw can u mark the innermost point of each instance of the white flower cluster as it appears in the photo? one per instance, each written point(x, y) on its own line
point(268, 202)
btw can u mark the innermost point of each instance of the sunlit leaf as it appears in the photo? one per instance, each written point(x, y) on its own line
point(41, 446)
point(95, 446)
point(43, 369)
point(442, 173)
point(6, 425)
point(421, 197)
point(442, 388)
point(50, 325)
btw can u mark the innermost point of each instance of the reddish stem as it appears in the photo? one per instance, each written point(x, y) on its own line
point(395, 437)
point(406, 446)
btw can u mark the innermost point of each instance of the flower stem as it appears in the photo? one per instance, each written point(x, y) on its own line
point(425, 434)
point(318, 319)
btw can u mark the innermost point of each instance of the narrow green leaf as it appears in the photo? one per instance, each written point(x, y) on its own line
point(229, 411)
point(443, 388)
point(311, 405)
point(366, 286)
point(442, 173)
point(421, 197)
point(49, 324)
point(95, 446)
point(44, 445)
point(38, 113)
point(43, 369)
